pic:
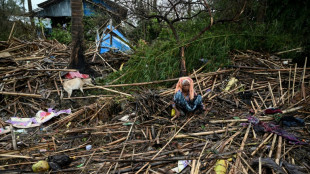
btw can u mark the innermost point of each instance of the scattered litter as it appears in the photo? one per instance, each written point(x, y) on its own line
point(182, 164)
point(290, 121)
point(20, 131)
point(41, 166)
point(172, 112)
point(231, 82)
point(221, 166)
point(5, 130)
point(272, 111)
point(40, 118)
point(124, 118)
point(72, 75)
point(88, 147)
point(59, 161)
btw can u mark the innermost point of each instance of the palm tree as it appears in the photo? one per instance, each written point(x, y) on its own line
point(77, 60)
point(30, 12)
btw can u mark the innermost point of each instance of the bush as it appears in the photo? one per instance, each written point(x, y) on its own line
point(61, 35)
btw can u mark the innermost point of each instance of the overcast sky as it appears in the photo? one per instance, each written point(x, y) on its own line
point(34, 3)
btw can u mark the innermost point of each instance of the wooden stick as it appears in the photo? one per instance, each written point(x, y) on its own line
point(15, 156)
point(203, 133)
point(13, 138)
point(272, 145)
point(111, 90)
point(117, 141)
point(259, 165)
point(193, 167)
point(21, 94)
point(88, 161)
point(260, 97)
point(254, 134)
point(114, 70)
point(165, 145)
point(242, 145)
point(293, 89)
point(281, 90)
point(197, 168)
point(239, 120)
point(198, 82)
point(303, 80)
point(68, 70)
point(289, 85)
point(247, 164)
point(272, 96)
point(277, 159)
point(11, 33)
point(93, 116)
point(120, 156)
point(261, 144)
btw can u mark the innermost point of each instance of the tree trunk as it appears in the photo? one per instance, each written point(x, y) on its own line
point(183, 63)
point(154, 5)
point(30, 11)
point(77, 60)
point(189, 10)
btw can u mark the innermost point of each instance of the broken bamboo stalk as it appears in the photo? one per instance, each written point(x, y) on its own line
point(237, 163)
point(239, 120)
point(278, 154)
point(281, 90)
point(293, 89)
point(13, 138)
point(203, 133)
point(114, 91)
point(272, 145)
point(261, 144)
point(303, 80)
point(289, 85)
point(21, 94)
point(11, 33)
point(272, 96)
point(165, 145)
point(120, 156)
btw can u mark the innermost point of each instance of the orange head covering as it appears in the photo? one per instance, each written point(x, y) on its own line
point(191, 86)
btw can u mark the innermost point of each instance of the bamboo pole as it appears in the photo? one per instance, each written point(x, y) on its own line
point(289, 85)
point(272, 96)
point(293, 89)
point(272, 145)
point(203, 133)
point(165, 145)
point(242, 146)
point(21, 94)
point(281, 90)
point(254, 152)
point(303, 80)
point(240, 120)
point(277, 159)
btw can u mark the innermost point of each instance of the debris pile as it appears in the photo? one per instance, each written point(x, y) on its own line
point(257, 119)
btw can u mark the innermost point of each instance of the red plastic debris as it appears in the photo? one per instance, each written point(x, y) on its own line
point(72, 75)
point(273, 111)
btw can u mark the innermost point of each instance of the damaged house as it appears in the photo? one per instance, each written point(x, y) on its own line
point(59, 11)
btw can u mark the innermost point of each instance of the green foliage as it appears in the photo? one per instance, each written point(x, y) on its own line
point(9, 10)
point(91, 23)
point(61, 35)
point(161, 59)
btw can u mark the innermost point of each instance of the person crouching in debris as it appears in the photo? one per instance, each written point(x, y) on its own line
point(185, 99)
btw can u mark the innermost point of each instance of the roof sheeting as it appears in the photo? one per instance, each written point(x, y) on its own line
point(116, 45)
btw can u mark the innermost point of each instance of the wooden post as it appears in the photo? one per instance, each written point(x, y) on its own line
point(183, 64)
point(13, 138)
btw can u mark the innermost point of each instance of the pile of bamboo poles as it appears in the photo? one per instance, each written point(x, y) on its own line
point(150, 140)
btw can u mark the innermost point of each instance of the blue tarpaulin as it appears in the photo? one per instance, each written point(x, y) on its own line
point(117, 44)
